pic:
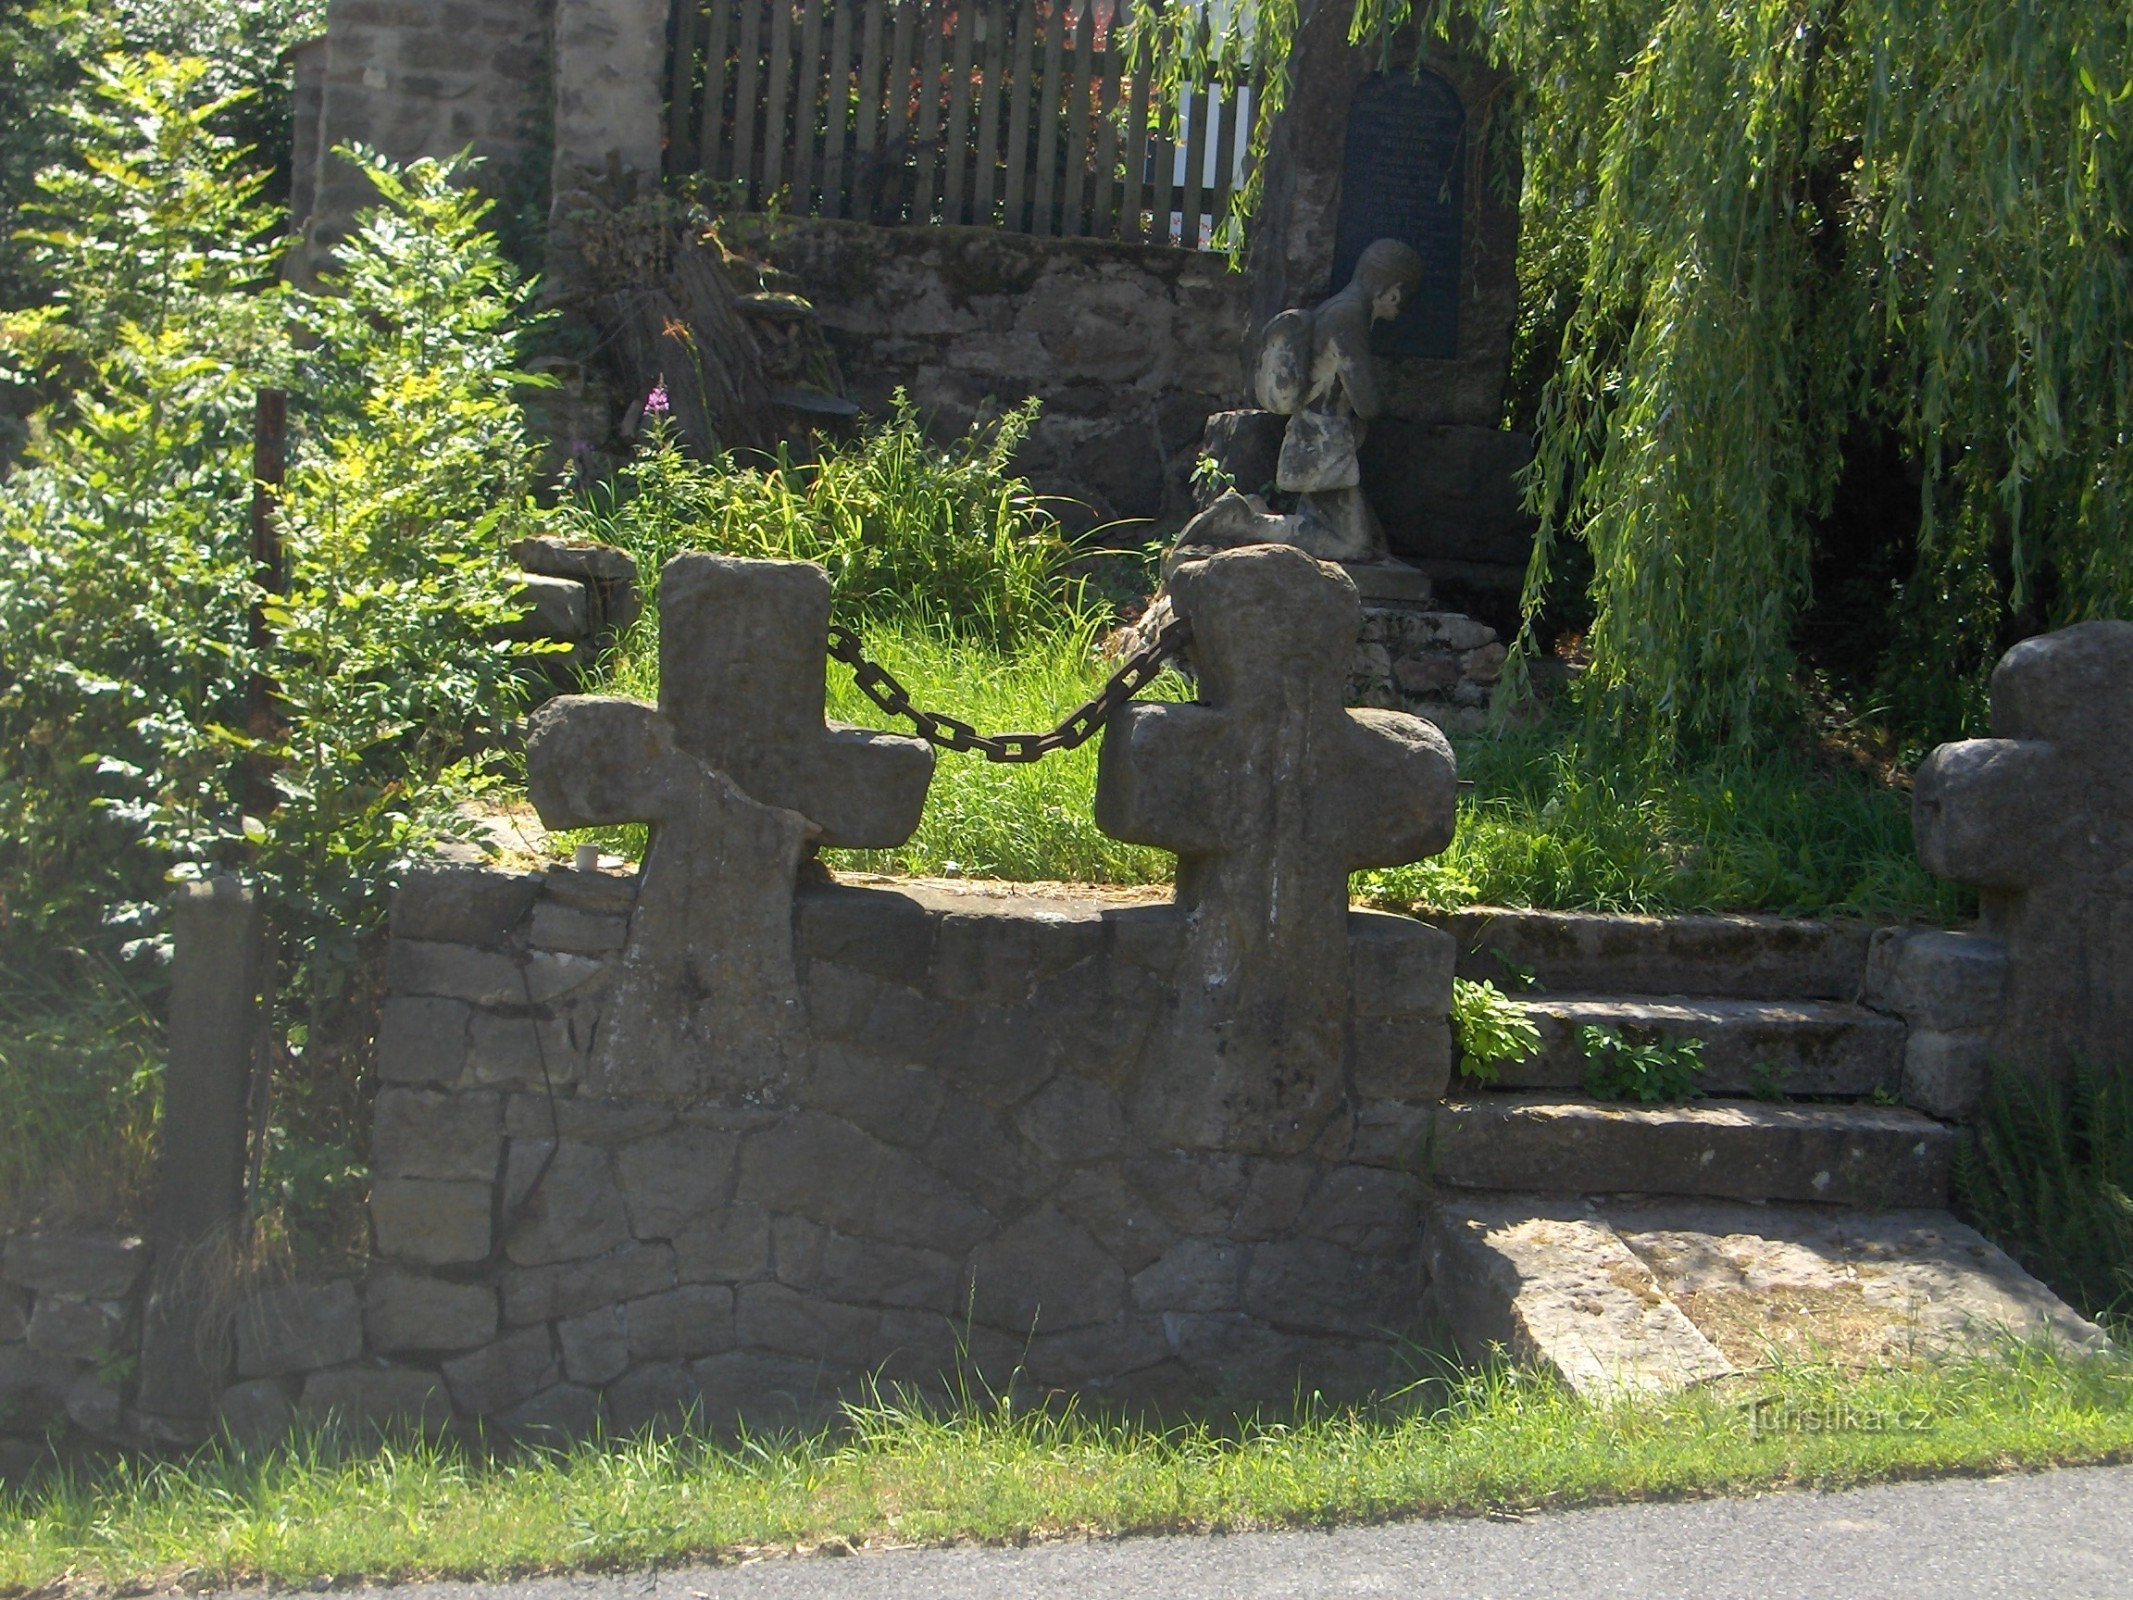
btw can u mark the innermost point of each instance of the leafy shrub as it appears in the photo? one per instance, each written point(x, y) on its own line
point(1650, 1071)
point(2050, 1176)
point(951, 540)
point(1489, 1028)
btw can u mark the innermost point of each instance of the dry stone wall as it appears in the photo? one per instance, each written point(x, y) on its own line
point(69, 1320)
point(955, 1184)
point(1132, 347)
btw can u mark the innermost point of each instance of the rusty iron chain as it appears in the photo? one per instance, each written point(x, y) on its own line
point(1138, 671)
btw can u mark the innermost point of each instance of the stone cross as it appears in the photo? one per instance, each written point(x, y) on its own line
point(2040, 818)
point(739, 778)
point(1271, 793)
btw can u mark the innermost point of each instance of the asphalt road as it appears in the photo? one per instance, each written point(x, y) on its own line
point(2067, 1535)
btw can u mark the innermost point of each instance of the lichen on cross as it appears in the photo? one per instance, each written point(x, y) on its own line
point(1271, 792)
point(739, 777)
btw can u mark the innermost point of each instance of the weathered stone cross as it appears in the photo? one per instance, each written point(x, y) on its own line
point(2040, 817)
point(1271, 793)
point(738, 775)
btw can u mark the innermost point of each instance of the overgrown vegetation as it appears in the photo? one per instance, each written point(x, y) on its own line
point(1756, 235)
point(1488, 1441)
point(1646, 1070)
point(135, 745)
point(951, 542)
point(2050, 1176)
point(1489, 1030)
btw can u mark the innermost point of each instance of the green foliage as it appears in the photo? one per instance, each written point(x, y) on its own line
point(1005, 1471)
point(81, 1075)
point(1551, 822)
point(946, 540)
point(2050, 1177)
point(1489, 1028)
point(1650, 1071)
point(125, 597)
point(413, 475)
point(1750, 227)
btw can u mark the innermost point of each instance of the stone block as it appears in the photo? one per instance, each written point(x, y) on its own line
point(1399, 967)
point(298, 1328)
point(504, 1374)
point(660, 1398)
point(1365, 1209)
point(1313, 1286)
point(422, 1041)
point(486, 977)
point(519, 1051)
point(549, 1293)
point(1947, 982)
point(771, 1316)
point(561, 1203)
point(883, 933)
point(825, 1169)
point(1403, 1058)
point(763, 1393)
point(33, 1388)
point(461, 905)
point(595, 1347)
point(421, 1134)
point(88, 1267)
point(694, 1320)
point(559, 1414)
point(1194, 1192)
point(1945, 1074)
point(868, 1272)
point(605, 894)
point(675, 1180)
point(1193, 1275)
point(406, 1311)
point(76, 1330)
point(1073, 1120)
point(429, 1223)
point(605, 1123)
point(1273, 1198)
point(1095, 1356)
point(998, 958)
point(255, 1415)
point(1123, 1222)
point(94, 1404)
point(1047, 1273)
point(992, 1162)
point(556, 608)
point(1393, 1133)
point(728, 1247)
point(368, 1401)
point(585, 933)
point(895, 1101)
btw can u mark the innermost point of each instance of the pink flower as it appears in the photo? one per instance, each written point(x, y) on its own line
point(656, 404)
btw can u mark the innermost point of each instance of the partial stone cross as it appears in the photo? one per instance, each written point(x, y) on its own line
point(1271, 792)
point(2040, 818)
point(739, 777)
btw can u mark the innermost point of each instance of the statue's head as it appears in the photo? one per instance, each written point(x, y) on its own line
point(1387, 272)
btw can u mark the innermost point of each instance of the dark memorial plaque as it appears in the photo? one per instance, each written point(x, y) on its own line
point(1404, 177)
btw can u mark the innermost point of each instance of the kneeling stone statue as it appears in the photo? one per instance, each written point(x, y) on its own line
point(1316, 368)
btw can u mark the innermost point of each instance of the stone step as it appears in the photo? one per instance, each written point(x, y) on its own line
point(1744, 957)
point(1855, 1155)
point(1763, 1048)
point(1620, 1296)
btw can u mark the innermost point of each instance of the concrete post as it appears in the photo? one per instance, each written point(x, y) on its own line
point(610, 91)
point(214, 1013)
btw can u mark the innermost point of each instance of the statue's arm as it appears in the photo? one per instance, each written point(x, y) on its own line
point(1349, 338)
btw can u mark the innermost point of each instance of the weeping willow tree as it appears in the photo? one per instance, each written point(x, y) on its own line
point(1769, 223)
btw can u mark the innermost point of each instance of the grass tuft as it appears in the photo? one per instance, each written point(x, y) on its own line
point(902, 1472)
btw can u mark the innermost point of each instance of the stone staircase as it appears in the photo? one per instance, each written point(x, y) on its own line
point(1806, 1202)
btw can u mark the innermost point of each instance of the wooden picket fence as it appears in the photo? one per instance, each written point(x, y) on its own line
point(1015, 114)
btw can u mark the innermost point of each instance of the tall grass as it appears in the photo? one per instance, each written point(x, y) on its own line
point(81, 1083)
point(899, 1473)
point(2050, 1177)
point(948, 540)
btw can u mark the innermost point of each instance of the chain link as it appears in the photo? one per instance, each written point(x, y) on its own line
point(1138, 671)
